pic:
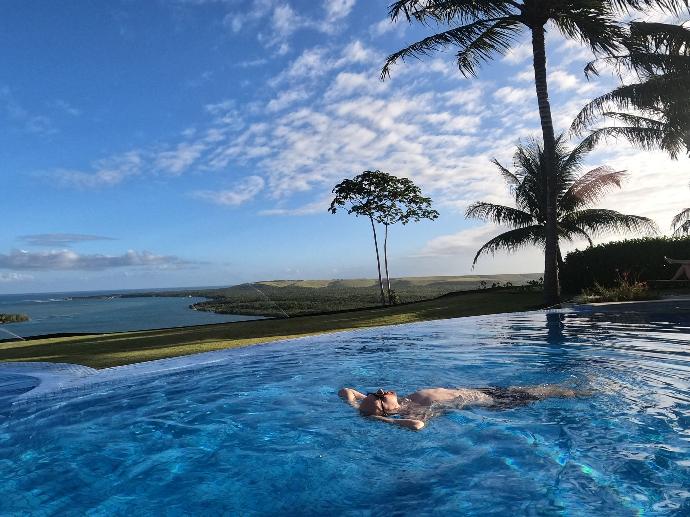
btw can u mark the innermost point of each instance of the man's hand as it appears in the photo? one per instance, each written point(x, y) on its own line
point(351, 396)
point(408, 423)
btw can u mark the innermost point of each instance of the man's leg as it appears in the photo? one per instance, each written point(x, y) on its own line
point(551, 391)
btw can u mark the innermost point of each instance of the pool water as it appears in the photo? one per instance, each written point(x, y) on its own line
point(262, 431)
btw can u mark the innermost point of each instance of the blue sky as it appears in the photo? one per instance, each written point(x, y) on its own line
point(184, 143)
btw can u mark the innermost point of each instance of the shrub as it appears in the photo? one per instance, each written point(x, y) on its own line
point(626, 289)
point(642, 259)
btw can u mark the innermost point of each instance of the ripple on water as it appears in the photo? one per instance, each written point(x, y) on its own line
point(263, 431)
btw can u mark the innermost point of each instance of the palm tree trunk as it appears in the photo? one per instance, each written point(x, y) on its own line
point(552, 294)
point(385, 262)
point(378, 260)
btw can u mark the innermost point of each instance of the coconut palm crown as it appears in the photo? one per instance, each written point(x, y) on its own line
point(654, 110)
point(576, 194)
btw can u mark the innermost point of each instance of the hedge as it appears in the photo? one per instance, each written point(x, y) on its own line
point(642, 259)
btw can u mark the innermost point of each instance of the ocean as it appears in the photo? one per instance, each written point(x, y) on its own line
point(54, 313)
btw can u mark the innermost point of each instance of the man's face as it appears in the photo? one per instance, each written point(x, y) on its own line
point(379, 403)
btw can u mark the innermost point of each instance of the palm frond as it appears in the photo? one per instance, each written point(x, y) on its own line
point(595, 27)
point(499, 214)
point(568, 232)
point(598, 221)
point(670, 6)
point(512, 240)
point(590, 187)
point(511, 179)
point(479, 38)
point(642, 137)
point(495, 40)
point(449, 11)
point(681, 223)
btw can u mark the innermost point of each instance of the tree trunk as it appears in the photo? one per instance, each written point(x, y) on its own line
point(378, 260)
point(385, 262)
point(552, 291)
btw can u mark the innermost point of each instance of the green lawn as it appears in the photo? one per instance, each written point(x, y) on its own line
point(100, 351)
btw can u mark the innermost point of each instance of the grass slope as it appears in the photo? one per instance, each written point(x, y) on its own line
point(100, 351)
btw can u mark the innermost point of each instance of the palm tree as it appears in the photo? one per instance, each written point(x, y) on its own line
point(483, 29)
point(576, 193)
point(655, 110)
point(681, 223)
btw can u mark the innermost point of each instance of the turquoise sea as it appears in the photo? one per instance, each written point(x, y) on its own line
point(56, 313)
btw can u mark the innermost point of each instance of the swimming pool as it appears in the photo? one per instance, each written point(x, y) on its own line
point(262, 431)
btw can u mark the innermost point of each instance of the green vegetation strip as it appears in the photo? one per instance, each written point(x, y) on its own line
point(101, 351)
point(13, 318)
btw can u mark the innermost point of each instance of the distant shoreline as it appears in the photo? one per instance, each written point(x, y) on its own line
point(13, 318)
point(289, 298)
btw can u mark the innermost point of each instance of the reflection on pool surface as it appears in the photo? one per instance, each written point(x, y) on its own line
point(263, 431)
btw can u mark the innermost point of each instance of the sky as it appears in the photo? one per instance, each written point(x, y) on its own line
point(176, 143)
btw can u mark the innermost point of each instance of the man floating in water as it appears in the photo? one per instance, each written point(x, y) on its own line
point(415, 409)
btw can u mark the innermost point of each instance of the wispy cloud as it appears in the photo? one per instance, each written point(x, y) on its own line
point(338, 9)
point(68, 260)
point(315, 207)
point(240, 194)
point(22, 117)
point(283, 20)
point(6, 278)
point(66, 107)
point(106, 172)
point(61, 239)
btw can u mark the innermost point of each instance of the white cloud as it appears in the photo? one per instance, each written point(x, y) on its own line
point(21, 117)
point(460, 243)
point(61, 239)
point(240, 194)
point(338, 9)
point(518, 53)
point(565, 81)
point(66, 107)
point(68, 260)
point(285, 99)
point(356, 52)
point(14, 277)
point(348, 83)
point(316, 207)
point(513, 95)
point(180, 159)
point(107, 172)
point(385, 26)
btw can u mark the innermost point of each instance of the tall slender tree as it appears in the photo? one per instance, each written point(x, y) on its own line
point(577, 192)
point(400, 201)
point(483, 29)
point(362, 195)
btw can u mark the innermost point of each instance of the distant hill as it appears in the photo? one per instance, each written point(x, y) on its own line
point(297, 297)
point(462, 282)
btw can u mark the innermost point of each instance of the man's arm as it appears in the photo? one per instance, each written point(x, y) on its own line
point(408, 423)
point(351, 396)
